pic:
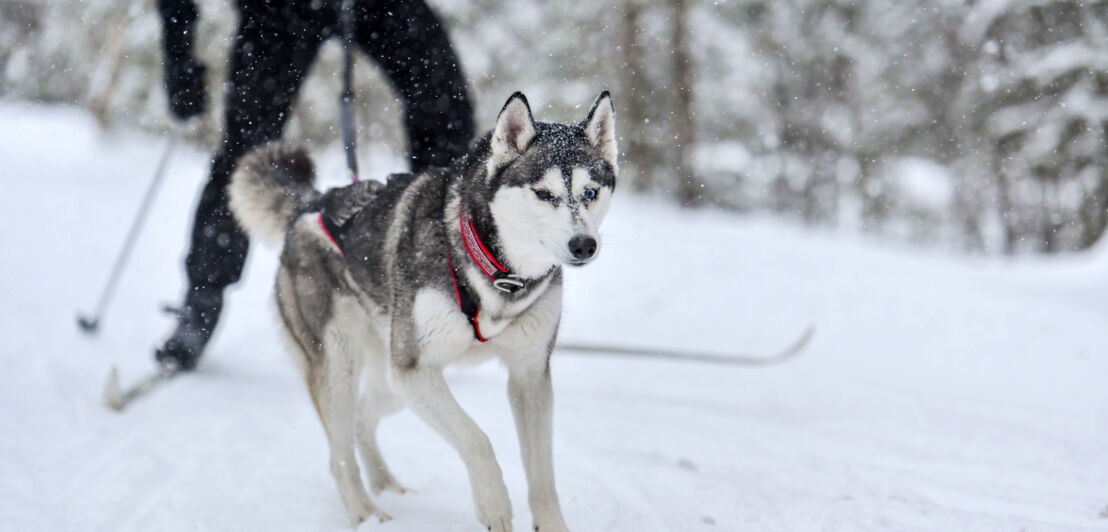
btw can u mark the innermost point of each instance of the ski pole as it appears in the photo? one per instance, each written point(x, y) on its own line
point(89, 325)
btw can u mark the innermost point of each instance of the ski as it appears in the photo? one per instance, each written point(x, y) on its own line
point(734, 359)
point(118, 399)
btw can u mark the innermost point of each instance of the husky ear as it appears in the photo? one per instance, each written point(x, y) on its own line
point(600, 127)
point(514, 130)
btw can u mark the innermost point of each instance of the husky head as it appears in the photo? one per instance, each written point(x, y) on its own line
point(549, 185)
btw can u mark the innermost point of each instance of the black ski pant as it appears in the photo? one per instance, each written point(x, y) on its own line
point(274, 48)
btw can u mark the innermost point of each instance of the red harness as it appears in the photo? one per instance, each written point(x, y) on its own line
point(465, 301)
point(323, 224)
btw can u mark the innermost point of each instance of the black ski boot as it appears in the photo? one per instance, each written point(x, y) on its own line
point(195, 322)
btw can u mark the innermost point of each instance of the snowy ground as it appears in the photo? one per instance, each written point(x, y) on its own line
point(939, 393)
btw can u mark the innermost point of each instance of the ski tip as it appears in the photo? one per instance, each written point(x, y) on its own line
point(806, 336)
point(800, 344)
point(112, 396)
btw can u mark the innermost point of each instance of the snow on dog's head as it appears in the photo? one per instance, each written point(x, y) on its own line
point(550, 184)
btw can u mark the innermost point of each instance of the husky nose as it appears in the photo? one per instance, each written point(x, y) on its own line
point(582, 247)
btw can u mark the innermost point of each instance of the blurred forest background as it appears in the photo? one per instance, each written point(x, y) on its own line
point(978, 125)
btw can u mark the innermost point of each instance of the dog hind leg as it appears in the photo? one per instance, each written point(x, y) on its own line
point(377, 402)
point(334, 390)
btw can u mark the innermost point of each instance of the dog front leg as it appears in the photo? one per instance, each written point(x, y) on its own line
point(532, 400)
point(426, 393)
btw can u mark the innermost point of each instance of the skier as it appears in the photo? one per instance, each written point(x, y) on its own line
point(273, 50)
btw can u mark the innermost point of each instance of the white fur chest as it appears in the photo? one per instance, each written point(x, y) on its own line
point(496, 314)
point(446, 336)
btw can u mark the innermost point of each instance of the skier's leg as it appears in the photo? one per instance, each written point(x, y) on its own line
point(411, 45)
point(271, 54)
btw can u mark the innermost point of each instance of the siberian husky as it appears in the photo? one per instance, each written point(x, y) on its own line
point(380, 286)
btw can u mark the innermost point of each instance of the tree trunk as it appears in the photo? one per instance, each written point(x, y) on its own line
point(1004, 201)
point(688, 186)
point(105, 77)
point(637, 163)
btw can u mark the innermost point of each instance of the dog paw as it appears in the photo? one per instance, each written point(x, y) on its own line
point(389, 484)
point(382, 517)
point(494, 510)
point(504, 525)
point(361, 517)
point(500, 523)
point(550, 522)
point(382, 480)
point(546, 513)
point(551, 527)
point(364, 509)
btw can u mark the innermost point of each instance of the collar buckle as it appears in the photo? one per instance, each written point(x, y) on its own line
point(510, 284)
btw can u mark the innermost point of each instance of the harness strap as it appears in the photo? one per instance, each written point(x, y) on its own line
point(501, 278)
point(330, 229)
point(465, 301)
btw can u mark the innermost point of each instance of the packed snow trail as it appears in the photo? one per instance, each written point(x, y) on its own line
point(940, 393)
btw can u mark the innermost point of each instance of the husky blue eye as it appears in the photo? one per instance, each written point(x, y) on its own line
point(590, 194)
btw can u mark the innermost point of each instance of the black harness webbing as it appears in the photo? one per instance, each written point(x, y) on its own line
point(346, 99)
point(466, 303)
point(333, 232)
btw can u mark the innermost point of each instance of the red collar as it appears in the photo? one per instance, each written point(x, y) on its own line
point(488, 265)
point(484, 259)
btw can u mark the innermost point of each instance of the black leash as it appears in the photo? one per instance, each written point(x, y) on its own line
point(346, 99)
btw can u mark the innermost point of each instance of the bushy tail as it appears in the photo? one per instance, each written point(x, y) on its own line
point(273, 184)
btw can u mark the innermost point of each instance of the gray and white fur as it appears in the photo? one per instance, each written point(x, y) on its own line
point(373, 330)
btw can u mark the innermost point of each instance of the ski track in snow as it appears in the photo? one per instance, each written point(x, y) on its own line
point(939, 393)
